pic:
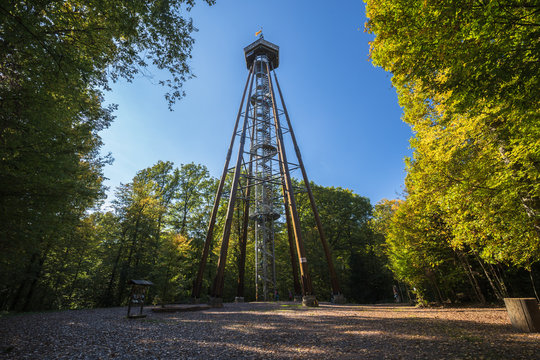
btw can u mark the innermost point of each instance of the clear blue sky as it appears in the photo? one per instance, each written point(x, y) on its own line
point(344, 110)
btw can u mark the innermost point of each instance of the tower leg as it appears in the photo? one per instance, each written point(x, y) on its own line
point(294, 264)
point(245, 228)
point(304, 272)
point(197, 285)
point(243, 244)
point(217, 288)
point(337, 296)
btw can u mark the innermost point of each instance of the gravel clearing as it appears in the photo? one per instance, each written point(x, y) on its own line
point(281, 330)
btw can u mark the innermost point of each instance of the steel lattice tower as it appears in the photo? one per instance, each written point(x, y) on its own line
point(262, 174)
point(264, 151)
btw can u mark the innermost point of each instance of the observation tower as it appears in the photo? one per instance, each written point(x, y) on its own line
point(261, 182)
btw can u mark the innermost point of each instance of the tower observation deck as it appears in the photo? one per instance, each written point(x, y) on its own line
point(262, 47)
point(262, 179)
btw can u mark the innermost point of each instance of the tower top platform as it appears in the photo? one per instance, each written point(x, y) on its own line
point(262, 47)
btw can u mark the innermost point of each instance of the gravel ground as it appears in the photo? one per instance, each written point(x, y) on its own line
point(268, 331)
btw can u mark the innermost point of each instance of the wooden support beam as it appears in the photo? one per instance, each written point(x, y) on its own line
point(197, 285)
point(307, 286)
point(217, 288)
point(333, 276)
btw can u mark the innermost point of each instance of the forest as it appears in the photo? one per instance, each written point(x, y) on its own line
point(467, 78)
point(465, 230)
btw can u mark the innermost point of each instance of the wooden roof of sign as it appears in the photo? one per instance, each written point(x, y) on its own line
point(141, 282)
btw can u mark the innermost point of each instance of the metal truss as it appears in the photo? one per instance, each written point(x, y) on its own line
point(261, 178)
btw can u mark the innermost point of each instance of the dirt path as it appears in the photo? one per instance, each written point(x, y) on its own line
point(269, 331)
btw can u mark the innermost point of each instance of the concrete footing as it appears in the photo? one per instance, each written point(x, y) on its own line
point(338, 299)
point(239, 299)
point(310, 300)
point(216, 302)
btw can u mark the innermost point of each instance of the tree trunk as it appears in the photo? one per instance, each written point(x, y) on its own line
point(500, 281)
point(75, 277)
point(61, 271)
point(433, 280)
point(123, 273)
point(496, 291)
point(470, 275)
point(533, 286)
point(22, 285)
point(185, 213)
point(108, 293)
point(37, 276)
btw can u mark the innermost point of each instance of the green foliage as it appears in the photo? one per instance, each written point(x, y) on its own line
point(151, 244)
point(467, 77)
point(156, 229)
point(358, 262)
point(87, 44)
point(56, 58)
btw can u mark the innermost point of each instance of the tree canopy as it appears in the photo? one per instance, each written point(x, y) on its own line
point(56, 59)
point(467, 77)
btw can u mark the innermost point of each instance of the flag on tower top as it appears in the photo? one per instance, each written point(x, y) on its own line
point(258, 32)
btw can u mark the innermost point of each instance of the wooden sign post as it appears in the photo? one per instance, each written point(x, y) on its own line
point(139, 288)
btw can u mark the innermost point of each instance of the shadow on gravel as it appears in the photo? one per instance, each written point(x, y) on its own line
point(267, 330)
